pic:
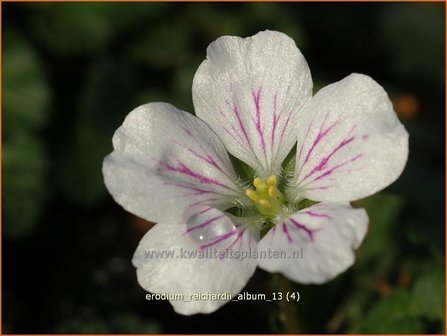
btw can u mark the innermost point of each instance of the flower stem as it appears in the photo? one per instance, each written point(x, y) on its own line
point(287, 314)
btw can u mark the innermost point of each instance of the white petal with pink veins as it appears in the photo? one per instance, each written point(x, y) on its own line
point(350, 142)
point(165, 161)
point(211, 228)
point(251, 91)
point(324, 235)
point(208, 231)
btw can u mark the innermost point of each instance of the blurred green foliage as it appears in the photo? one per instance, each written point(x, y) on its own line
point(383, 212)
point(401, 27)
point(72, 72)
point(25, 104)
point(411, 306)
point(79, 28)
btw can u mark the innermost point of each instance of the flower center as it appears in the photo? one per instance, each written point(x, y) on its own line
point(266, 197)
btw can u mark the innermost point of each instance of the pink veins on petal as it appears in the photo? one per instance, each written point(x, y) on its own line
point(314, 214)
point(195, 190)
point(238, 239)
point(300, 226)
point(275, 120)
point(241, 125)
point(286, 231)
point(208, 159)
point(184, 170)
point(205, 201)
point(256, 98)
point(322, 164)
point(206, 223)
point(286, 125)
point(321, 134)
point(219, 239)
point(202, 211)
point(330, 171)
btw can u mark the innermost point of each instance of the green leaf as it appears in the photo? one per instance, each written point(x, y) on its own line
point(429, 294)
point(181, 95)
point(243, 170)
point(167, 46)
point(73, 29)
point(383, 210)
point(394, 314)
point(25, 106)
point(24, 189)
point(403, 28)
point(25, 92)
point(288, 167)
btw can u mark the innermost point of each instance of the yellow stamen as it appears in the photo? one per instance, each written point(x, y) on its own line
point(272, 191)
point(265, 203)
point(258, 183)
point(252, 194)
point(266, 197)
point(271, 181)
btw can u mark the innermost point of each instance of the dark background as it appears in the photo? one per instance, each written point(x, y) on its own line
point(71, 73)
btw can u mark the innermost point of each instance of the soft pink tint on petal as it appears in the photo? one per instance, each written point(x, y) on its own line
point(350, 143)
point(315, 244)
point(251, 91)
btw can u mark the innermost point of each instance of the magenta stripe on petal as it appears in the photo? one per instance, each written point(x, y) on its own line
point(209, 221)
point(241, 125)
point(299, 226)
point(321, 134)
point(322, 164)
point(330, 171)
point(197, 191)
point(320, 188)
point(219, 239)
point(208, 159)
point(304, 142)
point(236, 135)
point(256, 98)
point(238, 238)
point(286, 231)
point(276, 117)
point(314, 214)
point(183, 169)
point(188, 132)
point(203, 211)
point(285, 126)
point(205, 201)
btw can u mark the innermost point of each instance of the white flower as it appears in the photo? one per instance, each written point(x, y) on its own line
point(253, 98)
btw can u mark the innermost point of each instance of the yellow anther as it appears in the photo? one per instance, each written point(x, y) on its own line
point(252, 194)
point(272, 191)
point(266, 197)
point(258, 183)
point(271, 181)
point(265, 203)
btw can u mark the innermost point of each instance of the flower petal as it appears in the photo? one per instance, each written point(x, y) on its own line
point(350, 142)
point(250, 91)
point(316, 243)
point(164, 161)
point(200, 264)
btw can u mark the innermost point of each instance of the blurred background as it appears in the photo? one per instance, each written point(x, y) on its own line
point(72, 72)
